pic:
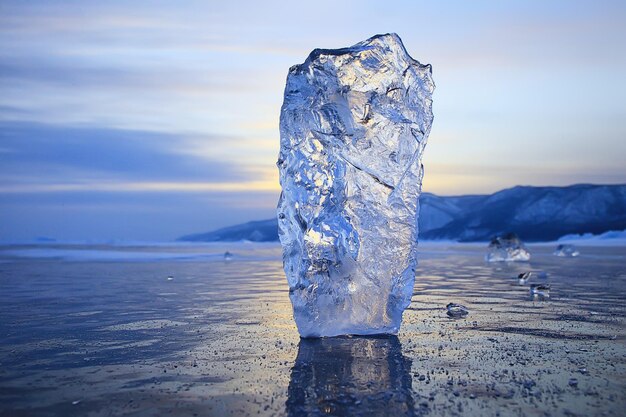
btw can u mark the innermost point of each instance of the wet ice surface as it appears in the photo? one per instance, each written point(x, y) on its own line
point(118, 338)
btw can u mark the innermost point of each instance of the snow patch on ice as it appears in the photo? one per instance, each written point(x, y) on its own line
point(610, 238)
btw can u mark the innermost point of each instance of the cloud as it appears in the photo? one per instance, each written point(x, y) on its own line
point(40, 155)
point(136, 216)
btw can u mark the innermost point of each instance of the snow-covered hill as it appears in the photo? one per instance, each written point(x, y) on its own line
point(534, 213)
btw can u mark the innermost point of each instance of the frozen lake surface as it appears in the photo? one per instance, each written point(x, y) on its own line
point(177, 329)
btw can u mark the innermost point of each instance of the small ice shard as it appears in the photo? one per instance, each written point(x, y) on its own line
point(524, 277)
point(353, 126)
point(456, 311)
point(507, 248)
point(566, 251)
point(228, 256)
point(539, 291)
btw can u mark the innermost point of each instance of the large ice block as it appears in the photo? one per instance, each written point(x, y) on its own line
point(353, 126)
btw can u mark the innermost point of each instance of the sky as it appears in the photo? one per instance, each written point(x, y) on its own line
point(150, 120)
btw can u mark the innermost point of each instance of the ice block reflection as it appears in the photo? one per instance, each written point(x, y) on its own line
point(350, 376)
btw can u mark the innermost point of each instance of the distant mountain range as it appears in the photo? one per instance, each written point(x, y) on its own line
point(533, 213)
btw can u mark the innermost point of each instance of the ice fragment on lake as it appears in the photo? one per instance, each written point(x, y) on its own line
point(539, 291)
point(567, 251)
point(523, 277)
point(457, 311)
point(353, 126)
point(507, 248)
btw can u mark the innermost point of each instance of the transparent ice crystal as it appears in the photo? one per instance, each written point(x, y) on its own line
point(353, 126)
point(456, 311)
point(524, 277)
point(539, 292)
point(566, 251)
point(507, 248)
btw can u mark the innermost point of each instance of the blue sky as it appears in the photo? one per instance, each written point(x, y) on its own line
point(149, 120)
